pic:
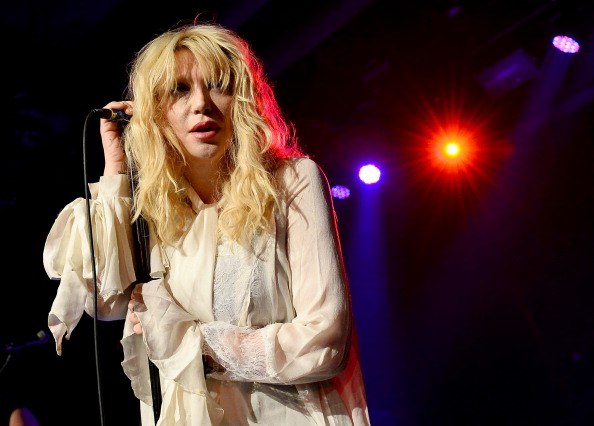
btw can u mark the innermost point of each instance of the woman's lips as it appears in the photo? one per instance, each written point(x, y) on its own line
point(205, 130)
point(205, 125)
point(205, 134)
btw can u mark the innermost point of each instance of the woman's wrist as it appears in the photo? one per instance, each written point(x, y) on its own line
point(115, 169)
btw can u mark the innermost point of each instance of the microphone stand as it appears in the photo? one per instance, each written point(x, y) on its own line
point(141, 246)
point(142, 250)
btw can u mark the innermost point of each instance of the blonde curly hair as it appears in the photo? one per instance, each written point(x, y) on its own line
point(262, 138)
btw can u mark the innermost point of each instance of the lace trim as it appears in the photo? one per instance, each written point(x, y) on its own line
point(242, 351)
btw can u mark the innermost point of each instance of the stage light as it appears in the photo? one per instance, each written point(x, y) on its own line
point(566, 44)
point(452, 151)
point(341, 192)
point(369, 174)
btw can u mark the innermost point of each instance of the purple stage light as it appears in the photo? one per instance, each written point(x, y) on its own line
point(566, 44)
point(340, 192)
point(369, 174)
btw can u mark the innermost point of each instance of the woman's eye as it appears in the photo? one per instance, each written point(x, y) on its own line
point(214, 85)
point(181, 88)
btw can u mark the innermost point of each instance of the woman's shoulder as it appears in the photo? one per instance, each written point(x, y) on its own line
point(298, 174)
point(298, 168)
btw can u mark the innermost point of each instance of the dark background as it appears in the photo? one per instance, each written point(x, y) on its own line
point(472, 290)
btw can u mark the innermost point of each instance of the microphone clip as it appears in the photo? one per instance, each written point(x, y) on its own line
point(115, 115)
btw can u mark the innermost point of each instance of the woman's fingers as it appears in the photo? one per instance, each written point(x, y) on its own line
point(136, 325)
point(137, 328)
point(126, 106)
point(113, 151)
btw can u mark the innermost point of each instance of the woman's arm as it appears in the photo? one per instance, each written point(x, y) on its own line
point(314, 345)
point(67, 256)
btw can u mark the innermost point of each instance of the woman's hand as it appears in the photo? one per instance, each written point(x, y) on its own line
point(136, 302)
point(111, 138)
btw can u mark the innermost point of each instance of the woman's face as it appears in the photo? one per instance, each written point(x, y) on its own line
point(199, 115)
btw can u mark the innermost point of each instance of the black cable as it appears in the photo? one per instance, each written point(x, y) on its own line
point(91, 246)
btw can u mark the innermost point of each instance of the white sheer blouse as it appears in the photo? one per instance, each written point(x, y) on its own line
point(276, 315)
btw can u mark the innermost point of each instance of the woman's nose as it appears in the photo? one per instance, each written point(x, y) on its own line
point(201, 102)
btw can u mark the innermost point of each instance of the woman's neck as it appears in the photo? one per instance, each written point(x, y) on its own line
point(204, 180)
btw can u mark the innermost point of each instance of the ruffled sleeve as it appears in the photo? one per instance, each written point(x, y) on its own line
point(313, 345)
point(67, 257)
point(173, 341)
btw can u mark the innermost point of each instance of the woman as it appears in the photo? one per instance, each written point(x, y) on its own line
point(245, 258)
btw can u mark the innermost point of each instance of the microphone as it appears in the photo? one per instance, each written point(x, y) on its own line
point(116, 115)
point(41, 338)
